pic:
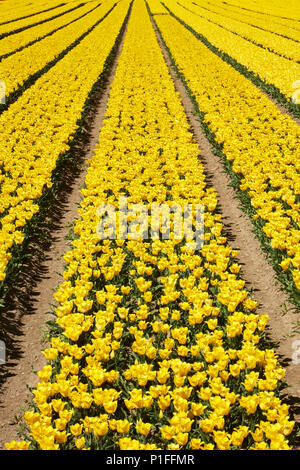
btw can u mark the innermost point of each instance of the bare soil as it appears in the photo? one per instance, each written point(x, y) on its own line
point(29, 309)
point(258, 273)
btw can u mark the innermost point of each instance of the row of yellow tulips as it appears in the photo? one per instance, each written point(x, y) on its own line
point(284, 47)
point(7, 28)
point(17, 41)
point(271, 68)
point(14, 11)
point(18, 68)
point(153, 345)
point(36, 130)
point(251, 18)
point(271, 9)
point(261, 143)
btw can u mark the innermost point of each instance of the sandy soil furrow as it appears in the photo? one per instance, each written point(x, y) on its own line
point(256, 270)
point(27, 316)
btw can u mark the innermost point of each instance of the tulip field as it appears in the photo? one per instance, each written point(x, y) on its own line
point(156, 342)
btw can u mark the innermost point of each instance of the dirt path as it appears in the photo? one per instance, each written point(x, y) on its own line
point(26, 317)
point(282, 108)
point(256, 270)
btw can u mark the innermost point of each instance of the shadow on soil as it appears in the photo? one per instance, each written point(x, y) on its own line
point(22, 284)
point(23, 281)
